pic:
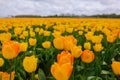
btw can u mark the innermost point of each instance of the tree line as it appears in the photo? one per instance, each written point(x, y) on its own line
point(71, 15)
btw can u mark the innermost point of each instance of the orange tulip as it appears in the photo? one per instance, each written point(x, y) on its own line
point(65, 57)
point(116, 67)
point(10, 49)
point(61, 72)
point(87, 56)
point(6, 76)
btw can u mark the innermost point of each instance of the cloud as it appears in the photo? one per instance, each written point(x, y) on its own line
point(52, 7)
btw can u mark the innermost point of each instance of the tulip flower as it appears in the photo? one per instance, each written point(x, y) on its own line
point(46, 44)
point(116, 67)
point(10, 49)
point(87, 56)
point(65, 57)
point(1, 62)
point(30, 64)
point(61, 72)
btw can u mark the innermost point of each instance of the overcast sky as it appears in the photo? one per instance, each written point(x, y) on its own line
point(52, 7)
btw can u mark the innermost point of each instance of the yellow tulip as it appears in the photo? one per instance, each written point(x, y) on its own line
point(69, 41)
point(18, 31)
point(41, 31)
point(25, 33)
point(87, 45)
point(98, 47)
point(23, 46)
point(32, 41)
point(32, 34)
point(97, 39)
point(111, 38)
point(46, 33)
point(58, 43)
point(76, 51)
point(5, 37)
point(36, 76)
point(69, 30)
point(30, 64)
point(80, 33)
point(56, 34)
point(1, 62)
point(46, 44)
point(37, 29)
point(89, 35)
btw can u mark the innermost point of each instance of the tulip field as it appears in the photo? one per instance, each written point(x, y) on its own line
point(59, 49)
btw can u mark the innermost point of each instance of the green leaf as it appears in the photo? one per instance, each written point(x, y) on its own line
point(94, 78)
point(41, 75)
point(19, 77)
point(105, 72)
point(22, 73)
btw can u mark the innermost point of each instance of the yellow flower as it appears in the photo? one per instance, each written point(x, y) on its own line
point(46, 44)
point(30, 64)
point(18, 31)
point(32, 41)
point(80, 33)
point(89, 35)
point(37, 29)
point(23, 46)
point(97, 39)
point(87, 45)
point(87, 56)
point(32, 34)
point(61, 72)
point(5, 37)
point(41, 31)
point(69, 41)
point(58, 43)
point(10, 49)
point(36, 76)
point(111, 38)
point(1, 62)
point(76, 51)
point(25, 33)
point(116, 67)
point(69, 30)
point(22, 36)
point(46, 33)
point(56, 34)
point(98, 47)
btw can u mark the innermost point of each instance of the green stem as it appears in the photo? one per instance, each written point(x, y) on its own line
point(32, 76)
point(10, 68)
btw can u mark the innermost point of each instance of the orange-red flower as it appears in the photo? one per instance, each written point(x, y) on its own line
point(87, 56)
point(10, 49)
point(6, 76)
point(116, 67)
point(65, 57)
point(61, 72)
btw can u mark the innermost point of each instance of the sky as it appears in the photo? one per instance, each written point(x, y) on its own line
point(52, 7)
